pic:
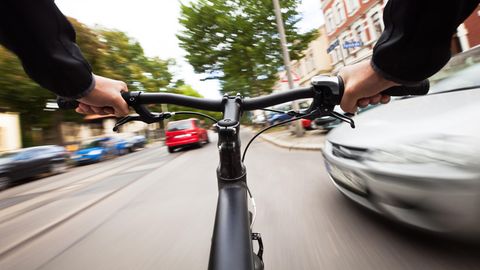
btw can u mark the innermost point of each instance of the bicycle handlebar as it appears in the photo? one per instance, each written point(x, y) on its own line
point(320, 86)
point(405, 90)
point(133, 98)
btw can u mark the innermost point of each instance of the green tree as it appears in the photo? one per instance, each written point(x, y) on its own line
point(237, 42)
point(126, 61)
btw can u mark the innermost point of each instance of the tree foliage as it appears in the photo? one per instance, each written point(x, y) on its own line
point(237, 41)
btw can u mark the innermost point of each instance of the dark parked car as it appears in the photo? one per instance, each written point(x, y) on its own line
point(30, 162)
point(276, 118)
point(135, 142)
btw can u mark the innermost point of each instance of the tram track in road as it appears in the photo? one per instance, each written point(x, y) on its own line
point(38, 222)
point(36, 197)
point(57, 181)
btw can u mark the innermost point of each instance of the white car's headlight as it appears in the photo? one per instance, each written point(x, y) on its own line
point(95, 152)
point(347, 177)
point(451, 150)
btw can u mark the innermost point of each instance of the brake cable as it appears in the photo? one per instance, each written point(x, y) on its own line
point(157, 117)
point(298, 117)
point(195, 113)
point(272, 110)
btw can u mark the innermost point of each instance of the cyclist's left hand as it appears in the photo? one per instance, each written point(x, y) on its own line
point(105, 98)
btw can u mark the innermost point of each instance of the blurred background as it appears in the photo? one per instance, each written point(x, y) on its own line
point(76, 195)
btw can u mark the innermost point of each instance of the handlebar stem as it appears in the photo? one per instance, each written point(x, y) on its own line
point(231, 166)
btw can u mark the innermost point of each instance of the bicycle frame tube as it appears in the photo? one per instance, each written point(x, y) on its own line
point(232, 240)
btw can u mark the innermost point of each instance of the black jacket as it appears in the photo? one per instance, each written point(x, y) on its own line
point(417, 37)
point(44, 40)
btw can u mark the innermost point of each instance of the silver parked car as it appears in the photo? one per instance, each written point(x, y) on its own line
point(416, 160)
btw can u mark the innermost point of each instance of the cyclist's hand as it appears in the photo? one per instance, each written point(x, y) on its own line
point(105, 98)
point(362, 87)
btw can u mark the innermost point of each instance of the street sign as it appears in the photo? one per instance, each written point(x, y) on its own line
point(345, 45)
point(352, 44)
point(333, 46)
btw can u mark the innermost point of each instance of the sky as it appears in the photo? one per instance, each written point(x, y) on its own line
point(154, 23)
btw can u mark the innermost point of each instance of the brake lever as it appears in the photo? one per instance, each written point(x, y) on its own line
point(125, 120)
point(342, 118)
point(153, 118)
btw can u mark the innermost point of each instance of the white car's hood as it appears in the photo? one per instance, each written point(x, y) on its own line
point(454, 114)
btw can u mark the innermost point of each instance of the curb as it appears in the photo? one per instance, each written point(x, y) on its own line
point(297, 146)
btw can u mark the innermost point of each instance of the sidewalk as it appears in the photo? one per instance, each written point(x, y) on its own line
point(312, 140)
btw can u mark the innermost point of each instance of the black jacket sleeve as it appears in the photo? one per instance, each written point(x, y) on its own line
point(40, 35)
point(417, 37)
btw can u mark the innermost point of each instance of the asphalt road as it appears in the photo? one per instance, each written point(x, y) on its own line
point(154, 210)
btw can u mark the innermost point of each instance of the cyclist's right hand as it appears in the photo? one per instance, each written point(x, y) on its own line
point(105, 98)
point(362, 87)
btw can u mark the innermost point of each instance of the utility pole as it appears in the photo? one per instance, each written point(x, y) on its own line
point(286, 61)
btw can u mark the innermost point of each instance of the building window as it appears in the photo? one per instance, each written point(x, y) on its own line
point(343, 37)
point(310, 62)
point(338, 53)
point(377, 24)
point(339, 13)
point(352, 6)
point(333, 56)
point(360, 33)
point(329, 21)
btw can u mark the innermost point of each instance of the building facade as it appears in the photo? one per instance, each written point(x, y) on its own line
point(10, 135)
point(468, 33)
point(315, 62)
point(354, 26)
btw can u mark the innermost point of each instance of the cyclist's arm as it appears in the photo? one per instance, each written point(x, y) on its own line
point(417, 37)
point(41, 36)
point(415, 45)
point(44, 40)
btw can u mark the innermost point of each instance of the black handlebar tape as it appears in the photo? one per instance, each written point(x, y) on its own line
point(144, 98)
point(414, 90)
point(65, 104)
point(250, 104)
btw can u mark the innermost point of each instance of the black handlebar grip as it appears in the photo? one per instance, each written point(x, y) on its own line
point(413, 90)
point(67, 104)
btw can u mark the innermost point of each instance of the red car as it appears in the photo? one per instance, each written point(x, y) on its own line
point(185, 132)
point(307, 124)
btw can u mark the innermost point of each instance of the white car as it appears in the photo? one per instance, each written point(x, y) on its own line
point(416, 160)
